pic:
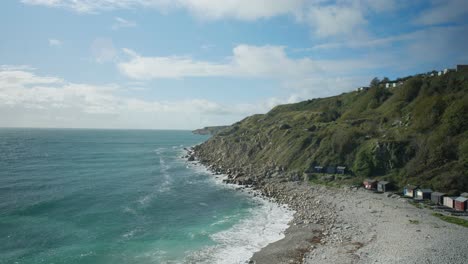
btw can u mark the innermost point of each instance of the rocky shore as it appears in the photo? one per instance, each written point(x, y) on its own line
point(347, 225)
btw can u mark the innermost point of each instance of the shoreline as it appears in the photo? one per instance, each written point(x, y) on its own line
point(351, 225)
point(305, 230)
point(270, 218)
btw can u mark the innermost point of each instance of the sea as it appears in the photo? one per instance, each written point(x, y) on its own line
point(123, 196)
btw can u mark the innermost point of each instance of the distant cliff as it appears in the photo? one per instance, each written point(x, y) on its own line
point(414, 133)
point(213, 130)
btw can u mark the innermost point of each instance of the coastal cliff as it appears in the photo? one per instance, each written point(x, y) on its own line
point(212, 130)
point(413, 133)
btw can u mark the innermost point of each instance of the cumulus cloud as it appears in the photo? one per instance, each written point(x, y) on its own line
point(28, 99)
point(327, 18)
point(246, 61)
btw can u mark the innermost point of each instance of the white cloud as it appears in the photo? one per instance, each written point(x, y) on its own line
point(327, 18)
point(363, 43)
point(55, 42)
point(443, 12)
point(16, 67)
point(28, 99)
point(304, 77)
point(209, 9)
point(246, 61)
point(241, 9)
point(335, 20)
point(122, 23)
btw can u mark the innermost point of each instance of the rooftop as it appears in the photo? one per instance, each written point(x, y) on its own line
point(425, 190)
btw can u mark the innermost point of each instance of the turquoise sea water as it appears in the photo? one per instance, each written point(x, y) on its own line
point(122, 196)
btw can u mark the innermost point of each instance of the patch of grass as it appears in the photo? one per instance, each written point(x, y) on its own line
point(451, 219)
point(414, 222)
point(416, 204)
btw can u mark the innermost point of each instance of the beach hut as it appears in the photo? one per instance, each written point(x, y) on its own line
point(340, 170)
point(449, 201)
point(465, 194)
point(437, 197)
point(409, 190)
point(331, 169)
point(370, 184)
point(383, 186)
point(423, 194)
point(318, 169)
point(460, 203)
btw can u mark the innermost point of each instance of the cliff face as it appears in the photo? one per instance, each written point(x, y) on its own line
point(415, 133)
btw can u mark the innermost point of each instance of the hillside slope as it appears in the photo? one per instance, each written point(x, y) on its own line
point(213, 130)
point(415, 133)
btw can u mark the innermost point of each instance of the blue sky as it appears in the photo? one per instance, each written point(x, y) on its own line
point(185, 64)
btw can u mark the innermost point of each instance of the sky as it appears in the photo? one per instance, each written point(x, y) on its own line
point(186, 64)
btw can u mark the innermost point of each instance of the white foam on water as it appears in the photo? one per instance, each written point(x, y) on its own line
point(160, 150)
point(265, 224)
point(165, 186)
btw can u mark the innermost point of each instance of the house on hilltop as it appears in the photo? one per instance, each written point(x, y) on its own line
point(462, 68)
point(362, 88)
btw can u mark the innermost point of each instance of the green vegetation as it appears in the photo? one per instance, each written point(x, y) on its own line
point(414, 222)
point(415, 133)
point(213, 130)
point(452, 219)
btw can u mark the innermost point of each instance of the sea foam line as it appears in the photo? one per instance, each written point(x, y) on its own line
point(264, 225)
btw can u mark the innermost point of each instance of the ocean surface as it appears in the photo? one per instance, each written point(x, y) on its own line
point(122, 196)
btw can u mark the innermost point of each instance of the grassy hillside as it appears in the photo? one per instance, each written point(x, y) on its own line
point(213, 130)
point(415, 133)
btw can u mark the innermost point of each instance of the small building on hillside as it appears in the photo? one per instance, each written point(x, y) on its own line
point(331, 169)
point(341, 169)
point(465, 194)
point(462, 68)
point(384, 186)
point(437, 198)
point(460, 203)
point(318, 169)
point(449, 201)
point(370, 184)
point(409, 190)
point(362, 88)
point(423, 194)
